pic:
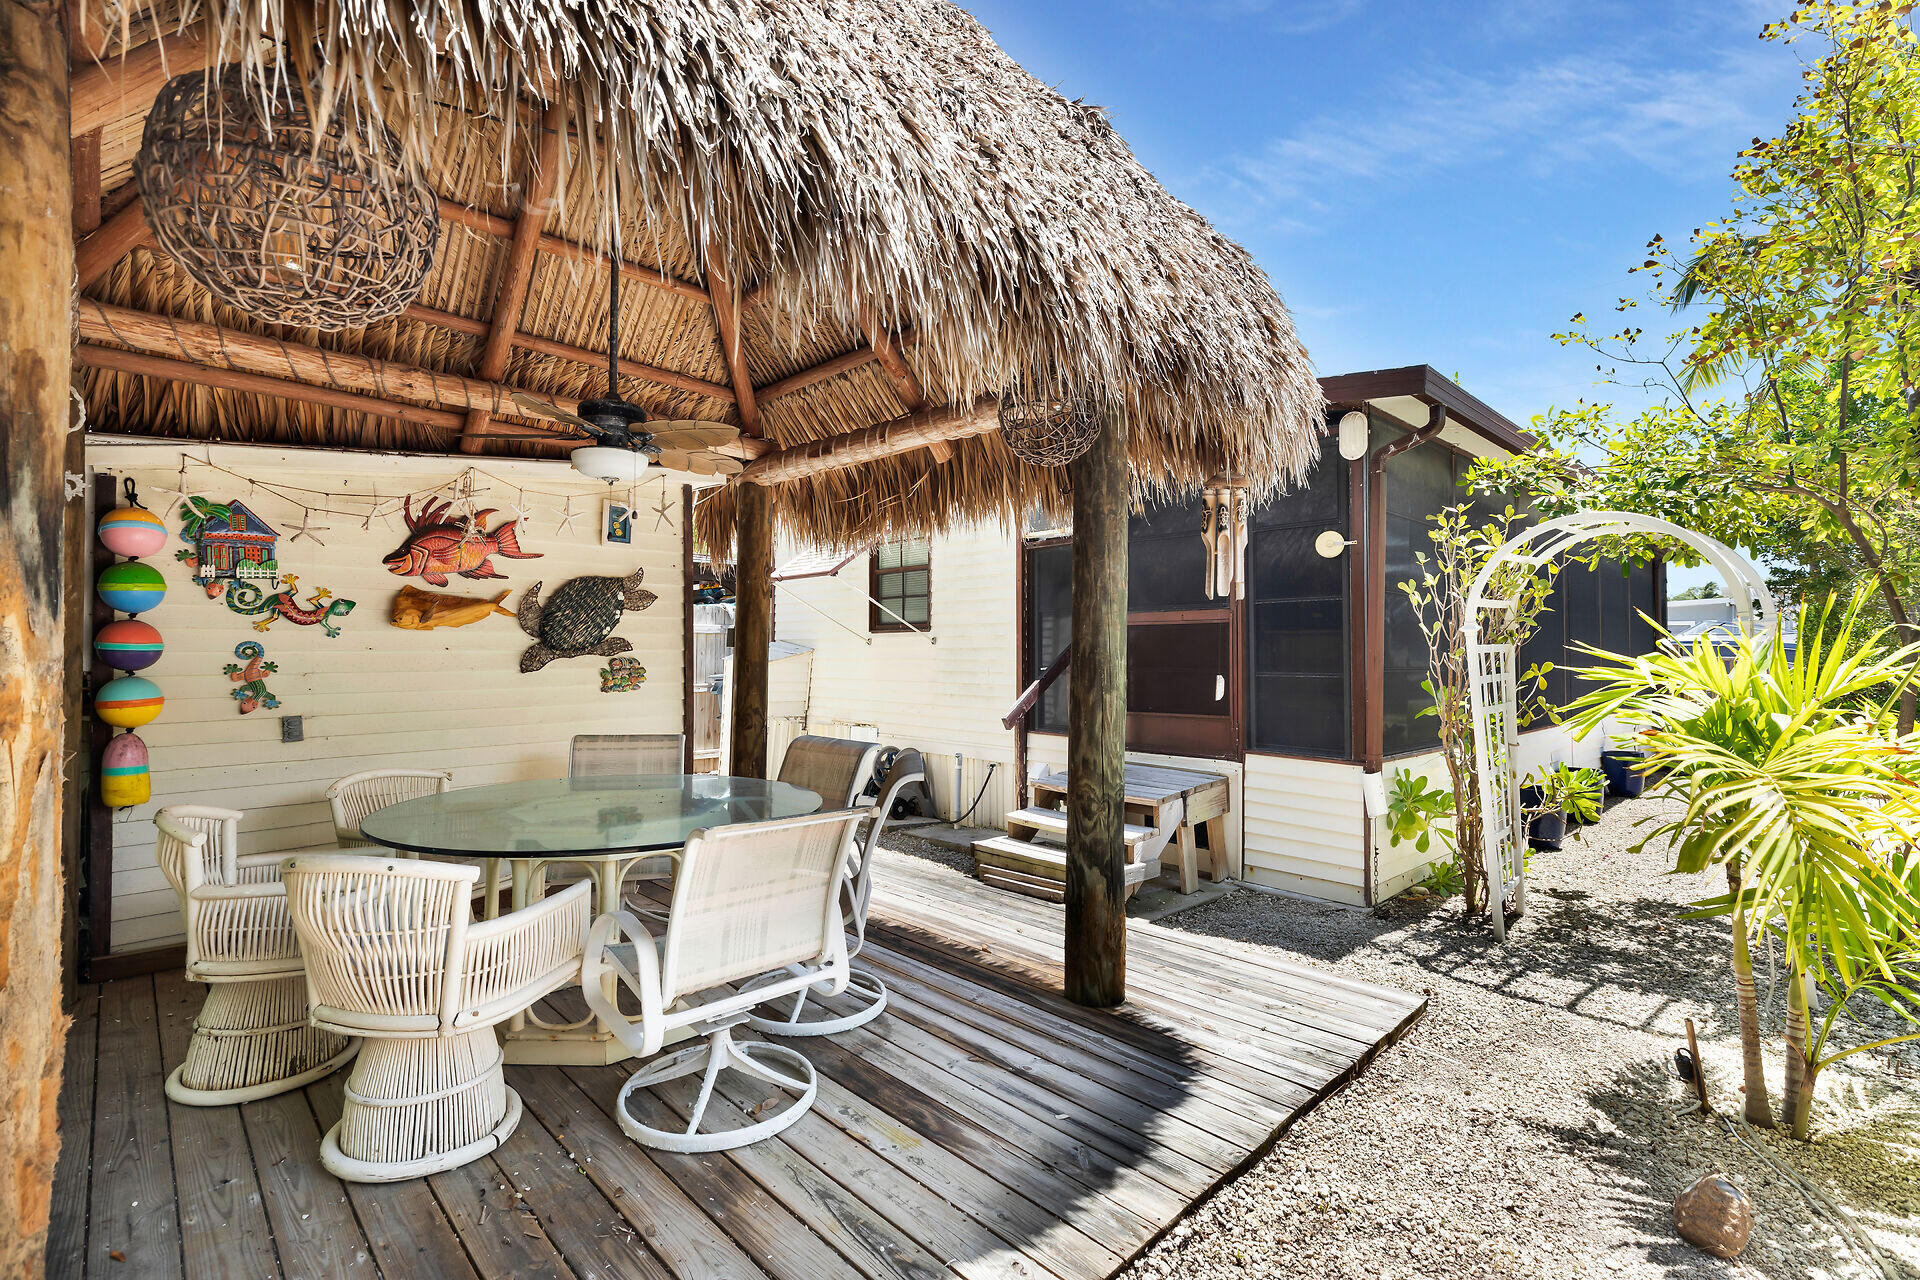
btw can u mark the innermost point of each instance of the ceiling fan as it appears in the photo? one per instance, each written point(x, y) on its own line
point(625, 440)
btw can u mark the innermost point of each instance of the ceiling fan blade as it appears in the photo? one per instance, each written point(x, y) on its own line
point(686, 435)
point(547, 409)
point(716, 464)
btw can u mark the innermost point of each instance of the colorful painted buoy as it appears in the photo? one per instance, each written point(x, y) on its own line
point(132, 531)
point(129, 645)
point(124, 779)
point(128, 702)
point(132, 587)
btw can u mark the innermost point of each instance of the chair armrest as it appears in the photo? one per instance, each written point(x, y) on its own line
point(242, 924)
point(259, 868)
point(604, 968)
point(518, 954)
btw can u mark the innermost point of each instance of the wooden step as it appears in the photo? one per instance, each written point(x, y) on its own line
point(1018, 882)
point(1047, 861)
point(1054, 823)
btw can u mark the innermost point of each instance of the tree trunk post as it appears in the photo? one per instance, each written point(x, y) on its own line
point(1757, 1105)
point(752, 629)
point(1096, 972)
point(36, 366)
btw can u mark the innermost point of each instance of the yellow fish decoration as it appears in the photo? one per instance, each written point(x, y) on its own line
point(417, 610)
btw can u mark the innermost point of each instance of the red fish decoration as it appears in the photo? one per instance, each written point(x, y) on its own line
point(437, 546)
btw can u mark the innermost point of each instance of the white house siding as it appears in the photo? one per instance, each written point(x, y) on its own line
point(1305, 824)
point(375, 695)
point(943, 693)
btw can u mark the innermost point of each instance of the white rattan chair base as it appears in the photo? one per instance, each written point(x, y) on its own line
point(420, 1106)
point(720, 1053)
point(863, 988)
point(252, 1040)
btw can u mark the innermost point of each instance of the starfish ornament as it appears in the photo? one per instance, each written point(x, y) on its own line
point(306, 529)
point(567, 517)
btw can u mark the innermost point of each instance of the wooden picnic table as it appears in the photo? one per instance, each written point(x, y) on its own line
point(1151, 789)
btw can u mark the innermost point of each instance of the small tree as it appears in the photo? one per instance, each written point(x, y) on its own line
point(1461, 549)
point(1794, 780)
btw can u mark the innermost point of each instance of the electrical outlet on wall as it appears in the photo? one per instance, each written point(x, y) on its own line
point(291, 729)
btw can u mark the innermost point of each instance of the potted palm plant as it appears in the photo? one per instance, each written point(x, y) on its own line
point(1796, 783)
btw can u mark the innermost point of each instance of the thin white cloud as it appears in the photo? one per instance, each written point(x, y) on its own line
point(1572, 110)
point(1291, 17)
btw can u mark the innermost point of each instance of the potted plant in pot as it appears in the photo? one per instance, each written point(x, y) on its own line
point(1624, 769)
point(1546, 826)
point(1562, 796)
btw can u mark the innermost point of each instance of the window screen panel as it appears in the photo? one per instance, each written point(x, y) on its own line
point(1306, 714)
point(1297, 635)
point(1179, 668)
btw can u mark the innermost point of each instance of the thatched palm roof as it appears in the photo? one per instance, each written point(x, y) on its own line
point(852, 166)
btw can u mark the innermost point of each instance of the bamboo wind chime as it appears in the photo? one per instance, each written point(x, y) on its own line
point(1225, 533)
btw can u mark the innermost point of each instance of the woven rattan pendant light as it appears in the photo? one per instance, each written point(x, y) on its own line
point(291, 225)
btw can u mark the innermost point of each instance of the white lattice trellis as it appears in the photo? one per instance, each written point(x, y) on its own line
point(1491, 661)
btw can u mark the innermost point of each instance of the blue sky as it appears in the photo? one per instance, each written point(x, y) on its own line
point(1438, 183)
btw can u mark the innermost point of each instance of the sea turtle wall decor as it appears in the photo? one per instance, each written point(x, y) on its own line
point(578, 620)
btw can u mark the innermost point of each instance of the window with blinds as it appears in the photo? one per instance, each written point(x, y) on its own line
point(900, 583)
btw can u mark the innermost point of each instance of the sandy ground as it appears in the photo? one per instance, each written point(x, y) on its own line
point(1529, 1126)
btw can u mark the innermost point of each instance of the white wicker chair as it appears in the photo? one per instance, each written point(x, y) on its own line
point(864, 986)
point(393, 955)
point(601, 755)
point(749, 899)
point(359, 794)
point(251, 1038)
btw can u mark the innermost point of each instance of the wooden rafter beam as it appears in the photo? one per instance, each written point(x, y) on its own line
point(578, 355)
point(118, 236)
point(115, 87)
point(216, 348)
point(858, 358)
point(920, 430)
point(212, 347)
point(517, 274)
point(722, 288)
point(502, 228)
point(906, 384)
point(116, 360)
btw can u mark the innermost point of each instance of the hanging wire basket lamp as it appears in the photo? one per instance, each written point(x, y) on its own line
point(1047, 428)
point(291, 225)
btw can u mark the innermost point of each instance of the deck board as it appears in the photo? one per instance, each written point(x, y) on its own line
point(983, 1127)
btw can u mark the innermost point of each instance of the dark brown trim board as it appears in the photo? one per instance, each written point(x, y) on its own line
point(1426, 384)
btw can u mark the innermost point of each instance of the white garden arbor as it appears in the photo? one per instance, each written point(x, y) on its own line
point(1491, 662)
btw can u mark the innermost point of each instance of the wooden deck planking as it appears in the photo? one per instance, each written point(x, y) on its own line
point(983, 1127)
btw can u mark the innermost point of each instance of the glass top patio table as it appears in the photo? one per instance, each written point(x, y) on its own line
point(556, 817)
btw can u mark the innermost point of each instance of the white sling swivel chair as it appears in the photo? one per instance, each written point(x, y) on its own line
point(750, 899)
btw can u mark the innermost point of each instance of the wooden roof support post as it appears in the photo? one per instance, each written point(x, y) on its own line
point(753, 547)
point(518, 272)
point(753, 630)
point(36, 338)
point(1096, 940)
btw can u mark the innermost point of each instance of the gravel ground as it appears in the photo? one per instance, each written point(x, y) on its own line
point(1530, 1125)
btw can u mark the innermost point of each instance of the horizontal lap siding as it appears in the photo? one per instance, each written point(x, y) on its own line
point(378, 696)
point(941, 697)
point(1305, 827)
